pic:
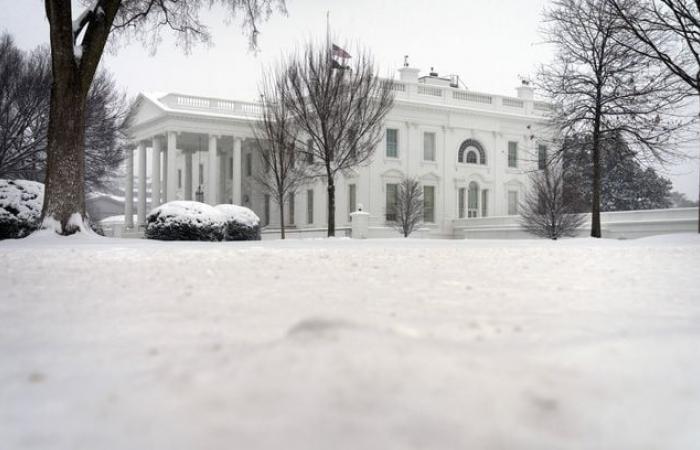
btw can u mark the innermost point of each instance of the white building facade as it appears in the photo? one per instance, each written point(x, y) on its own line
point(472, 153)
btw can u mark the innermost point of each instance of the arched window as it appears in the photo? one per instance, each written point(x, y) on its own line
point(471, 152)
point(473, 200)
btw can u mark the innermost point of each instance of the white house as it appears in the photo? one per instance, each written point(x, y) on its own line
point(470, 150)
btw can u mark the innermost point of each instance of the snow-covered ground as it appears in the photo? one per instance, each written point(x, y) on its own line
point(339, 344)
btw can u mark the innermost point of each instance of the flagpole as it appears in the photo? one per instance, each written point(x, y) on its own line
point(328, 36)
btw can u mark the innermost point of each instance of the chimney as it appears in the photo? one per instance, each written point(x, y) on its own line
point(525, 91)
point(408, 74)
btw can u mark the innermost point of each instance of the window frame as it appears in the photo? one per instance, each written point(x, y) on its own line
point(395, 151)
point(390, 205)
point(433, 149)
point(513, 207)
point(429, 210)
point(512, 154)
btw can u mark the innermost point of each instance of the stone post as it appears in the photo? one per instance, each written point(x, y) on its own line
point(360, 224)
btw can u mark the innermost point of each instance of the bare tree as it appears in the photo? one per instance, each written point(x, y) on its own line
point(339, 108)
point(77, 45)
point(25, 90)
point(277, 135)
point(409, 205)
point(25, 84)
point(669, 33)
point(545, 211)
point(602, 87)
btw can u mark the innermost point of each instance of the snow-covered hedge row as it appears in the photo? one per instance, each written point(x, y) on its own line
point(195, 221)
point(20, 207)
point(242, 224)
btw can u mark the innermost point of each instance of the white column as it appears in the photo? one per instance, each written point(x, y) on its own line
point(223, 163)
point(237, 172)
point(155, 172)
point(129, 193)
point(164, 175)
point(213, 181)
point(171, 167)
point(142, 184)
point(188, 175)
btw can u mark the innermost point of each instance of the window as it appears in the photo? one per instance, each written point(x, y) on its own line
point(291, 208)
point(179, 178)
point(429, 146)
point(541, 157)
point(429, 204)
point(466, 149)
point(352, 198)
point(484, 203)
point(473, 200)
point(248, 164)
point(461, 200)
point(267, 209)
point(512, 154)
point(201, 174)
point(512, 203)
point(309, 151)
point(310, 206)
point(392, 191)
point(392, 143)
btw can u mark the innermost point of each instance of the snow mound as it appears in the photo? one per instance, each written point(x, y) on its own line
point(20, 207)
point(241, 214)
point(185, 221)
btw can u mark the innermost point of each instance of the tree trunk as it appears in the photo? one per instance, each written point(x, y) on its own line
point(595, 200)
point(282, 234)
point(331, 207)
point(699, 176)
point(64, 193)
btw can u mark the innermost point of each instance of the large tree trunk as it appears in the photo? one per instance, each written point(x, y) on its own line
point(64, 196)
point(331, 207)
point(73, 72)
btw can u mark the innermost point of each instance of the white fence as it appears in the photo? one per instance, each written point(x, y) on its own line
point(616, 225)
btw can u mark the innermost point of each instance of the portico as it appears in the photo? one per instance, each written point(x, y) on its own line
point(188, 155)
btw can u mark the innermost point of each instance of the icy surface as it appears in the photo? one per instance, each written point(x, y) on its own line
point(241, 214)
point(341, 344)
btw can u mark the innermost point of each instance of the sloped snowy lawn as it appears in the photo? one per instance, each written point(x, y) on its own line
point(121, 344)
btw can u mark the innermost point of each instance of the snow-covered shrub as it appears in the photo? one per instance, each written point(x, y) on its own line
point(185, 221)
point(242, 224)
point(20, 207)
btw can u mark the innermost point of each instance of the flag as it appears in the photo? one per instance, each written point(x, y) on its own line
point(339, 52)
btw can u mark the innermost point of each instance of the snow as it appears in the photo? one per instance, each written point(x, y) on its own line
point(193, 213)
point(239, 214)
point(348, 344)
point(78, 51)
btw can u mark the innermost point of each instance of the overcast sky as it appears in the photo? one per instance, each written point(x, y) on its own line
point(488, 43)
